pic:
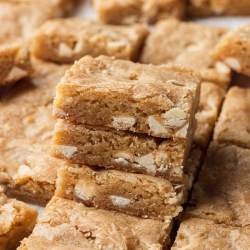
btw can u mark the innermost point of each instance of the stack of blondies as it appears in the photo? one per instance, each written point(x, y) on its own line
point(119, 128)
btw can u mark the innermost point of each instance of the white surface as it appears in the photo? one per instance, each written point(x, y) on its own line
point(87, 12)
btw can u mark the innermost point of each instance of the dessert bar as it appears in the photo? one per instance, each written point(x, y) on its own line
point(234, 50)
point(120, 150)
point(221, 193)
point(133, 194)
point(127, 11)
point(67, 224)
point(200, 234)
point(16, 221)
point(156, 100)
point(233, 125)
point(188, 44)
point(26, 129)
point(67, 40)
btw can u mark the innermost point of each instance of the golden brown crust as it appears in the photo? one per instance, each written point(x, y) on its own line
point(199, 234)
point(66, 224)
point(187, 44)
point(222, 190)
point(127, 11)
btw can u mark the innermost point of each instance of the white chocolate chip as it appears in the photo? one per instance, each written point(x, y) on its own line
point(64, 50)
point(147, 161)
point(123, 122)
point(67, 151)
point(16, 73)
point(182, 133)
point(233, 63)
point(222, 68)
point(120, 201)
point(175, 117)
point(156, 127)
point(84, 190)
point(23, 172)
point(121, 161)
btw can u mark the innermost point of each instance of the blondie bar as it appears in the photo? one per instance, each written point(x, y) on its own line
point(67, 224)
point(67, 40)
point(133, 194)
point(234, 121)
point(208, 111)
point(199, 234)
point(199, 8)
point(14, 63)
point(234, 50)
point(19, 18)
point(188, 44)
point(221, 193)
point(155, 100)
point(120, 150)
point(127, 11)
point(26, 129)
point(16, 221)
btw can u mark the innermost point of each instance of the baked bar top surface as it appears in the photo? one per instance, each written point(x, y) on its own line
point(188, 44)
point(199, 8)
point(67, 40)
point(155, 100)
point(222, 191)
point(133, 194)
point(16, 221)
point(233, 125)
point(127, 12)
point(66, 224)
point(234, 50)
point(211, 96)
point(19, 18)
point(26, 130)
point(199, 234)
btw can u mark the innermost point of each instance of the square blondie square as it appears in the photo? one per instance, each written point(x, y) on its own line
point(25, 137)
point(121, 150)
point(199, 8)
point(234, 50)
point(16, 221)
point(200, 234)
point(66, 224)
point(67, 40)
point(19, 18)
point(154, 100)
point(221, 193)
point(133, 194)
point(14, 63)
point(127, 11)
point(188, 44)
point(210, 102)
point(233, 125)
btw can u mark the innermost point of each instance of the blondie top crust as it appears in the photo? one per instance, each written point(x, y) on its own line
point(210, 102)
point(127, 11)
point(120, 150)
point(233, 125)
point(188, 44)
point(199, 8)
point(16, 221)
point(67, 224)
point(67, 40)
point(14, 63)
point(222, 191)
point(156, 100)
point(199, 234)
point(19, 18)
point(133, 194)
point(234, 49)
point(26, 129)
